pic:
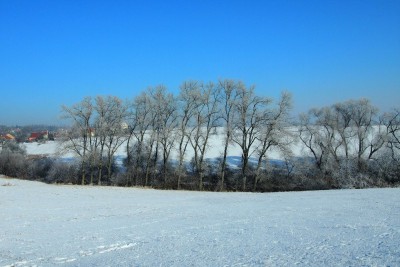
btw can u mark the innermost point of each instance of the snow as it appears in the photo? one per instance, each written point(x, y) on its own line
point(213, 152)
point(49, 148)
point(50, 225)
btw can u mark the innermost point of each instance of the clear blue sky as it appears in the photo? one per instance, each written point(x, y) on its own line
point(57, 52)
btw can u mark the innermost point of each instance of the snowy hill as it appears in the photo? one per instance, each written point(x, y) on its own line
point(48, 225)
point(214, 150)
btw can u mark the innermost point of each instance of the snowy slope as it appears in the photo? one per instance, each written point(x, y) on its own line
point(214, 150)
point(49, 225)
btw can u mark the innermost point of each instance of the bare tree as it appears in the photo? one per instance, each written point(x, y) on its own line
point(187, 102)
point(309, 135)
point(115, 136)
point(344, 126)
point(392, 123)
point(377, 139)
point(274, 131)
point(205, 121)
point(139, 124)
point(132, 124)
point(363, 115)
point(100, 135)
point(342, 137)
point(79, 136)
point(96, 133)
point(165, 110)
point(150, 147)
point(328, 122)
point(228, 89)
point(251, 114)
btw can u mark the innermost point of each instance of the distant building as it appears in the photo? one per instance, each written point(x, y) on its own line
point(38, 136)
point(7, 137)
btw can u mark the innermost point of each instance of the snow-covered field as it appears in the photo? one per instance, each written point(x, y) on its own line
point(50, 225)
point(216, 142)
point(214, 151)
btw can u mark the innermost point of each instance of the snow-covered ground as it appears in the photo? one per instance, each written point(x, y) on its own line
point(50, 225)
point(213, 152)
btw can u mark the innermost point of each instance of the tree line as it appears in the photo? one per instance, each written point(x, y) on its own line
point(156, 122)
point(348, 144)
point(352, 143)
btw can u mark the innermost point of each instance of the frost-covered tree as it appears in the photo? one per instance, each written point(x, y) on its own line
point(392, 124)
point(251, 113)
point(140, 121)
point(96, 134)
point(165, 122)
point(112, 127)
point(343, 138)
point(187, 101)
point(229, 96)
point(204, 122)
point(363, 116)
point(274, 132)
point(78, 138)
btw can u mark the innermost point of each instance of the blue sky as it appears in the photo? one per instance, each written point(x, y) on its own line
point(57, 52)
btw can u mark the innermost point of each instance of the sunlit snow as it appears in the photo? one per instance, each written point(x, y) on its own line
point(49, 225)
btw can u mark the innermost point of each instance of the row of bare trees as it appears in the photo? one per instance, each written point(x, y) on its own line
point(95, 136)
point(167, 139)
point(156, 124)
point(161, 123)
point(351, 139)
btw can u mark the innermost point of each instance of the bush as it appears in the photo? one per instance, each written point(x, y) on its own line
point(13, 147)
point(39, 168)
point(13, 164)
point(63, 172)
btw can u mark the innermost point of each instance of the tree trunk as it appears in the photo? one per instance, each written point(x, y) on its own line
point(245, 159)
point(222, 188)
point(201, 173)
point(180, 163)
point(257, 175)
point(83, 172)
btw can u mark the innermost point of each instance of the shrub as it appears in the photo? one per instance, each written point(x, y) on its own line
point(63, 172)
point(13, 164)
